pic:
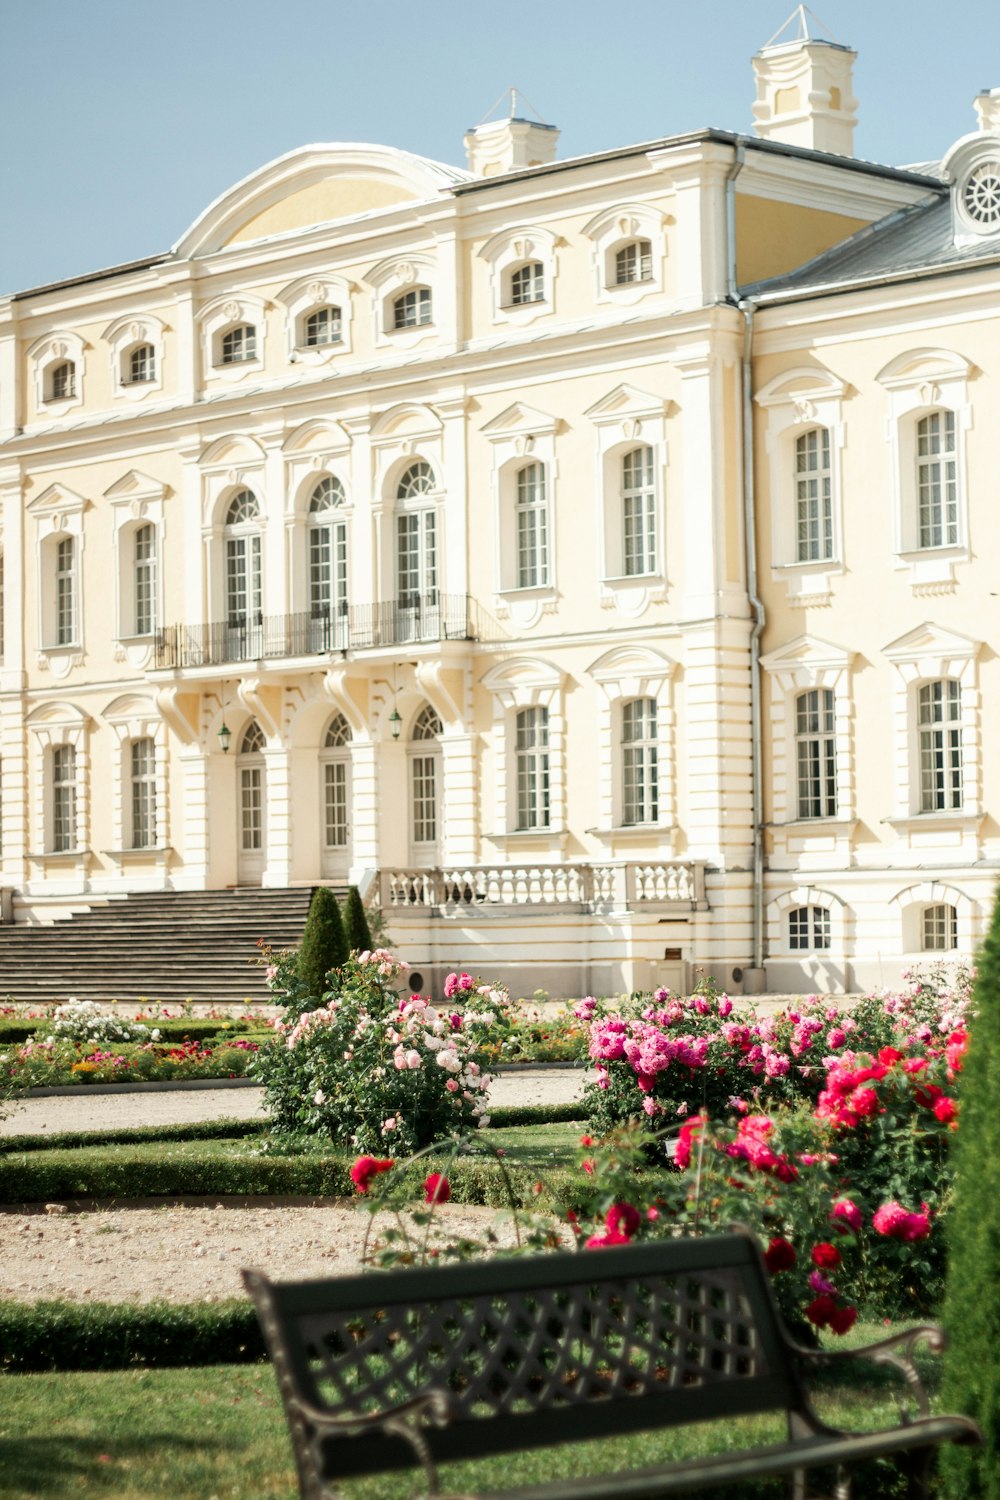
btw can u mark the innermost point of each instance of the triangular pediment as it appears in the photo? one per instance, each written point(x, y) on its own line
point(520, 418)
point(136, 486)
point(57, 498)
point(626, 401)
point(807, 653)
point(930, 640)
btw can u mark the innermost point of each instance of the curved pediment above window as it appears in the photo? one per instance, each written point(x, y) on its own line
point(803, 387)
point(315, 185)
point(927, 367)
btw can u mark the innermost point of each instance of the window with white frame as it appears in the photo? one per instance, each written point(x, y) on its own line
point(638, 512)
point(3, 603)
point(238, 345)
point(62, 381)
point(412, 309)
point(808, 928)
point(62, 837)
point(243, 572)
point(531, 759)
point(336, 783)
point(816, 753)
point(141, 365)
point(321, 327)
point(639, 761)
point(939, 928)
point(937, 481)
point(531, 527)
point(65, 591)
point(251, 773)
point(813, 497)
point(527, 284)
point(939, 728)
point(633, 262)
point(327, 531)
point(416, 537)
point(424, 771)
point(144, 579)
point(142, 780)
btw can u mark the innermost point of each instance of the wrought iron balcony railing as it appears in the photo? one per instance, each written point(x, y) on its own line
point(410, 620)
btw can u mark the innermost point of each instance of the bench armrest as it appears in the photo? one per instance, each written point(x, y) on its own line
point(897, 1351)
point(406, 1421)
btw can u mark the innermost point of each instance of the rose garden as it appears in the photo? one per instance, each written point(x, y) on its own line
point(856, 1142)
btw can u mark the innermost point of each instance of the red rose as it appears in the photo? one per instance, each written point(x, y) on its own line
point(779, 1256)
point(825, 1256)
point(622, 1218)
point(366, 1168)
point(945, 1109)
point(822, 1310)
point(842, 1319)
point(437, 1188)
point(605, 1241)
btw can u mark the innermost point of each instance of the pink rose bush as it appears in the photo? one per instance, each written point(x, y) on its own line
point(369, 1067)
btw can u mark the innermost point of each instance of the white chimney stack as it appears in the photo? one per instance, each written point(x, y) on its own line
point(804, 90)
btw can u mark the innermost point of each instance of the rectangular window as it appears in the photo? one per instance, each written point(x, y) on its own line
point(937, 480)
point(640, 793)
point(251, 809)
point(638, 513)
point(532, 762)
point(65, 593)
point(939, 714)
point(813, 497)
point(416, 558)
point(63, 799)
point(939, 929)
point(335, 803)
point(816, 754)
point(424, 775)
point(808, 928)
point(532, 528)
point(145, 580)
point(143, 758)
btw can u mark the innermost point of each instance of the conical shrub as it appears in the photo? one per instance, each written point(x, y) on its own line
point(972, 1296)
point(359, 937)
point(324, 943)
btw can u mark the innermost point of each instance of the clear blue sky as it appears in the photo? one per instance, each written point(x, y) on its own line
point(120, 120)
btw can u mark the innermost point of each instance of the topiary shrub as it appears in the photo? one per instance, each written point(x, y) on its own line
point(972, 1297)
point(324, 944)
point(359, 937)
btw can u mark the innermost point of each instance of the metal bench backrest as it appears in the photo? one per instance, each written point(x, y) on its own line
point(534, 1350)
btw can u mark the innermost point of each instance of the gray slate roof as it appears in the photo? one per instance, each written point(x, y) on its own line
point(915, 238)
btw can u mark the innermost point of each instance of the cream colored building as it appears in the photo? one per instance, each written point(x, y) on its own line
point(403, 524)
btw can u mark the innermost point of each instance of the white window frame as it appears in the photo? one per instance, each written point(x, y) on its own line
point(327, 609)
point(506, 253)
point(63, 788)
point(134, 717)
point(123, 337)
point(611, 231)
point(526, 682)
point(939, 744)
point(778, 929)
point(817, 924)
point(640, 754)
point(43, 356)
point(223, 473)
point(816, 753)
point(58, 515)
point(918, 384)
point(335, 756)
point(623, 675)
point(51, 726)
point(911, 904)
point(143, 825)
point(425, 765)
point(518, 437)
point(402, 436)
point(308, 295)
point(217, 319)
point(421, 510)
point(243, 557)
point(391, 279)
point(136, 500)
point(932, 919)
point(796, 402)
point(623, 420)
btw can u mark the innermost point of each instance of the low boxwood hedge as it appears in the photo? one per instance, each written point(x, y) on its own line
point(15, 1030)
point(36, 1336)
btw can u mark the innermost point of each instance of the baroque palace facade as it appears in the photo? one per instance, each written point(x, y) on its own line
point(594, 559)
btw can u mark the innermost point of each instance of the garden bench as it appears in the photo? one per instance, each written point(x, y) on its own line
point(388, 1370)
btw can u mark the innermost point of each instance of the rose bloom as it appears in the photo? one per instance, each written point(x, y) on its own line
point(779, 1256)
point(622, 1218)
point(605, 1241)
point(368, 1167)
point(437, 1188)
point(842, 1319)
point(822, 1310)
point(825, 1256)
point(846, 1215)
point(945, 1109)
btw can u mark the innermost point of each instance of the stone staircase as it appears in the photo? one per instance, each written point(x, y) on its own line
point(168, 946)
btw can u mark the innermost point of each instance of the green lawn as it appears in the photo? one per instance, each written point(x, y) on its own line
point(219, 1432)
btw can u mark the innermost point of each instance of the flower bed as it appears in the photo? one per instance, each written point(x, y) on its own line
point(55, 1062)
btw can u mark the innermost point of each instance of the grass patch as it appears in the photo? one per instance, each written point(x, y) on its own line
point(75, 1140)
point(220, 1431)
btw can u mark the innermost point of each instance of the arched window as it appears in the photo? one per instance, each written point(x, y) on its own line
point(816, 753)
point(424, 777)
point(238, 345)
point(63, 827)
point(144, 578)
point(808, 927)
point(336, 778)
point(531, 756)
point(937, 481)
point(141, 364)
point(938, 929)
point(527, 284)
point(634, 262)
point(939, 720)
point(142, 755)
point(532, 528)
point(639, 762)
point(412, 309)
point(323, 326)
point(243, 581)
point(638, 512)
point(813, 497)
point(327, 555)
point(62, 381)
point(416, 538)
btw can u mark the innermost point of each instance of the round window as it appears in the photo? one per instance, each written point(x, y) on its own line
point(981, 195)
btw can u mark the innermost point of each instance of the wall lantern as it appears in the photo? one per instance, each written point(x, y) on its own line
point(395, 722)
point(224, 737)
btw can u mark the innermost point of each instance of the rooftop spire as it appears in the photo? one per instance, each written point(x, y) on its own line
point(800, 19)
point(508, 140)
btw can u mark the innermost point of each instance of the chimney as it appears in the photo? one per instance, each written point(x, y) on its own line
point(988, 110)
point(509, 144)
point(804, 93)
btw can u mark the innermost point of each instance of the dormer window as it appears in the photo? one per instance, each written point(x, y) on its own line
point(321, 327)
point(62, 381)
point(412, 309)
point(141, 365)
point(981, 195)
point(238, 345)
point(634, 262)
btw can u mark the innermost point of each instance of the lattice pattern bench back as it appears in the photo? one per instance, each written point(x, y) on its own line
point(537, 1350)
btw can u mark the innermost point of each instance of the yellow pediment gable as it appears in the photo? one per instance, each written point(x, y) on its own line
point(319, 203)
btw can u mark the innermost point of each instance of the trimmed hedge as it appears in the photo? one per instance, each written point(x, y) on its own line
point(180, 1029)
point(36, 1336)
